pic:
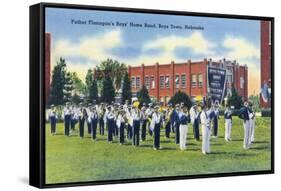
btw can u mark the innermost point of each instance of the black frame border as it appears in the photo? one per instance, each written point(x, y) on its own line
point(37, 167)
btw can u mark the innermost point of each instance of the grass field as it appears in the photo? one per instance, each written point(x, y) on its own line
point(71, 159)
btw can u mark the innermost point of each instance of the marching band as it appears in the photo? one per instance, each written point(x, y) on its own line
point(117, 119)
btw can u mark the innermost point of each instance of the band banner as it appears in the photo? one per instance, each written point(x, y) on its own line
point(216, 83)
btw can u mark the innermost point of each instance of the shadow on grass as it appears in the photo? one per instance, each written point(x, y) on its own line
point(245, 154)
point(165, 141)
point(102, 139)
point(218, 153)
point(167, 148)
point(147, 146)
point(216, 144)
point(260, 148)
point(193, 149)
point(237, 140)
point(260, 142)
point(73, 135)
point(58, 134)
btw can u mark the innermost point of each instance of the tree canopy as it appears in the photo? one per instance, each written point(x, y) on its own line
point(181, 97)
point(126, 89)
point(112, 68)
point(108, 91)
point(57, 83)
point(143, 96)
point(234, 99)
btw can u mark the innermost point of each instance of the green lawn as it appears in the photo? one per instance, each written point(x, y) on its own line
point(71, 159)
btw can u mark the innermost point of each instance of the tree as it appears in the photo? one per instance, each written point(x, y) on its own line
point(108, 91)
point(255, 102)
point(180, 97)
point(91, 86)
point(112, 68)
point(234, 99)
point(58, 83)
point(143, 96)
point(68, 87)
point(126, 89)
point(78, 85)
point(75, 98)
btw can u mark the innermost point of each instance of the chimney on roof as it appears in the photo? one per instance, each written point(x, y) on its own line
point(220, 64)
point(210, 61)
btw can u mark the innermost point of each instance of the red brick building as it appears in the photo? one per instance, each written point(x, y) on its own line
point(47, 65)
point(265, 57)
point(164, 80)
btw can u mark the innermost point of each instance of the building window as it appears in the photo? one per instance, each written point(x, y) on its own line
point(133, 81)
point(167, 81)
point(183, 80)
point(138, 83)
point(177, 81)
point(152, 82)
point(193, 81)
point(147, 83)
point(200, 80)
point(162, 81)
point(241, 82)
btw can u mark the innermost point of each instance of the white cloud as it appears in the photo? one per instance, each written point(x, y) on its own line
point(196, 42)
point(240, 48)
point(97, 48)
point(93, 48)
point(246, 53)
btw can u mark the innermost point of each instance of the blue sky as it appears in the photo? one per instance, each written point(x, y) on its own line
point(85, 45)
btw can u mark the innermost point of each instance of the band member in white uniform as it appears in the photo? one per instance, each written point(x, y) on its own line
point(184, 120)
point(121, 121)
point(252, 124)
point(194, 118)
point(52, 117)
point(228, 123)
point(83, 116)
point(143, 122)
point(88, 109)
point(244, 115)
point(136, 126)
point(168, 125)
point(130, 123)
point(93, 118)
point(155, 127)
point(176, 119)
point(74, 117)
point(205, 118)
point(110, 124)
point(67, 119)
point(101, 112)
point(149, 111)
point(215, 120)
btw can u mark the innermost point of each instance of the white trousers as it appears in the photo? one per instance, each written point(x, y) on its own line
point(247, 134)
point(228, 127)
point(252, 129)
point(206, 136)
point(183, 136)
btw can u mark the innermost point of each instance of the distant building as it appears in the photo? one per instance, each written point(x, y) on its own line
point(265, 58)
point(47, 65)
point(163, 81)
